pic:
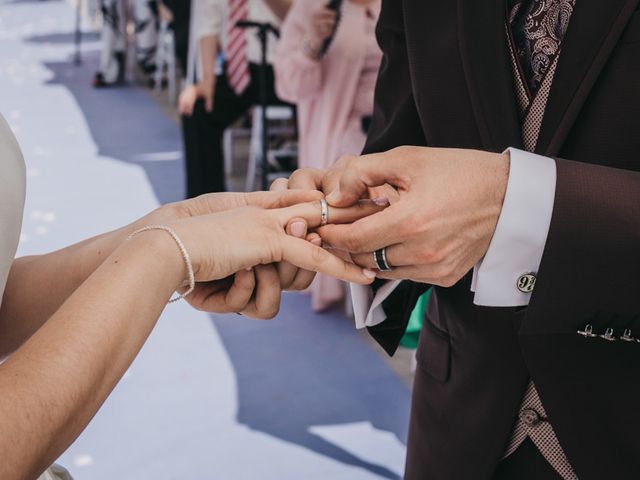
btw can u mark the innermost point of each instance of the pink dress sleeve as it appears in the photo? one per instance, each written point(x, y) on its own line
point(298, 77)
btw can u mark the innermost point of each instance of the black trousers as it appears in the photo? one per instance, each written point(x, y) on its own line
point(202, 132)
point(526, 463)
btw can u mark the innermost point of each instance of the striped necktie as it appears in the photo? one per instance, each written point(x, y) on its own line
point(236, 52)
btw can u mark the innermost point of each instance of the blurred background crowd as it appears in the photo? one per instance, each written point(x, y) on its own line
point(298, 75)
point(265, 86)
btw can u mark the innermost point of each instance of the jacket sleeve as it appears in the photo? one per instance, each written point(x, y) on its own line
point(395, 122)
point(590, 266)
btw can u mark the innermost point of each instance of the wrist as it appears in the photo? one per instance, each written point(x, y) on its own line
point(496, 189)
point(205, 86)
point(503, 163)
point(159, 247)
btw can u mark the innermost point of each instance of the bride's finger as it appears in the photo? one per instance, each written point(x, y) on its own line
point(311, 257)
point(223, 296)
point(311, 212)
point(304, 278)
point(241, 291)
point(266, 301)
point(281, 198)
point(287, 272)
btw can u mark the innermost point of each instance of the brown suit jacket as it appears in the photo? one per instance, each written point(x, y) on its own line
point(446, 81)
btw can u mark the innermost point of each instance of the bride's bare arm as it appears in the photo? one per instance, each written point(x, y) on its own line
point(55, 382)
point(38, 285)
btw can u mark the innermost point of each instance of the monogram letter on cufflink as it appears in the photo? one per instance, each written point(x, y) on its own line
point(526, 282)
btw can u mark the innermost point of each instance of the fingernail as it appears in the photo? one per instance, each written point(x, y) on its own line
point(368, 273)
point(298, 229)
point(334, 196)
point(317, 241)
point(248, 269)
point(381, 202)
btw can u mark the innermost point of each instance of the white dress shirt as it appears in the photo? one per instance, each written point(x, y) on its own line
point(209, 17)
point(515, 249)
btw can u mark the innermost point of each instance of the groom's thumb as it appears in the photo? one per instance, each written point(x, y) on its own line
point(355, 175)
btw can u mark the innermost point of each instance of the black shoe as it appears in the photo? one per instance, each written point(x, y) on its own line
point(98, 81)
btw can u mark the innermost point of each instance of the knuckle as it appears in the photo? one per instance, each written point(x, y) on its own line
point(317, 255)
point(411, 225)
point(270, 311)
point(448, 281)
point(444, 275)
point(279, 184)
point(344, 161)
point(300, 285)
point(353, 243)
point(178, 209)
point(286, 283)
point(301, 177)
point(430, 256)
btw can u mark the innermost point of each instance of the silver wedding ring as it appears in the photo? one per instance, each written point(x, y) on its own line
point(380, 259)
point(324, 212)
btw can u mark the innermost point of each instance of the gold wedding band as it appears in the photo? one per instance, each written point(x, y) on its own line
point(324, 212)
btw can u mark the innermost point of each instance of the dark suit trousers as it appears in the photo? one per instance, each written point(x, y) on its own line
point(202, 132)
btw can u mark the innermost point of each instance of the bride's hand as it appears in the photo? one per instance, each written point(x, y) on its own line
point(248, 241)
point(221, 202)
point(254, 293)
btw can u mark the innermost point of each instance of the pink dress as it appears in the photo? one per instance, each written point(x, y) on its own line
point(332, 94)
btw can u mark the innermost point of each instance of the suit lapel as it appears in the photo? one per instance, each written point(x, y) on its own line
point(487, 68)
point(595, 27)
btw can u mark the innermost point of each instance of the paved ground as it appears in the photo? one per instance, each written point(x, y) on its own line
point(210, 397)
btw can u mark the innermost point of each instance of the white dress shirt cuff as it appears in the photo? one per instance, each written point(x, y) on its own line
point(521, 233)
point(367, 308)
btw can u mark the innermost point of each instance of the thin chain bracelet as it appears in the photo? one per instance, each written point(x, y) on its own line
point(191, 279)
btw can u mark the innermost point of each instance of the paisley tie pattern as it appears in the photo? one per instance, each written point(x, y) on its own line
point(538, 28)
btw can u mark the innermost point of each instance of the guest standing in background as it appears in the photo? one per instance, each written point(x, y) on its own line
point(178, 14)
point(333, 89)
point(213, 100)
point(113, 38)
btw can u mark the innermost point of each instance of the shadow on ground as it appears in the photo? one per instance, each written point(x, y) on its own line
point(62, 38)
point(126, 125)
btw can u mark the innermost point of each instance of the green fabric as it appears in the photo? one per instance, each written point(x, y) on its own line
point(410, 338)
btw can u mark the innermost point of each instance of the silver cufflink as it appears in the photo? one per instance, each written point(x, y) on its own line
point(627, 336)
point(608, 335)
point(526, 282)
point(587, 332)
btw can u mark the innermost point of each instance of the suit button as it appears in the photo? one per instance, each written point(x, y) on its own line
point(526, 282)
point(530, 417)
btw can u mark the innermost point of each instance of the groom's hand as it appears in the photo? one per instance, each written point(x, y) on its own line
point(441, 225)
point(306, 179)
point(314, 180)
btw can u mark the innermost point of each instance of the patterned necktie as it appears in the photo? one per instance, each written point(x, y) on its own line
point(538, 28)
point(236, 52)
